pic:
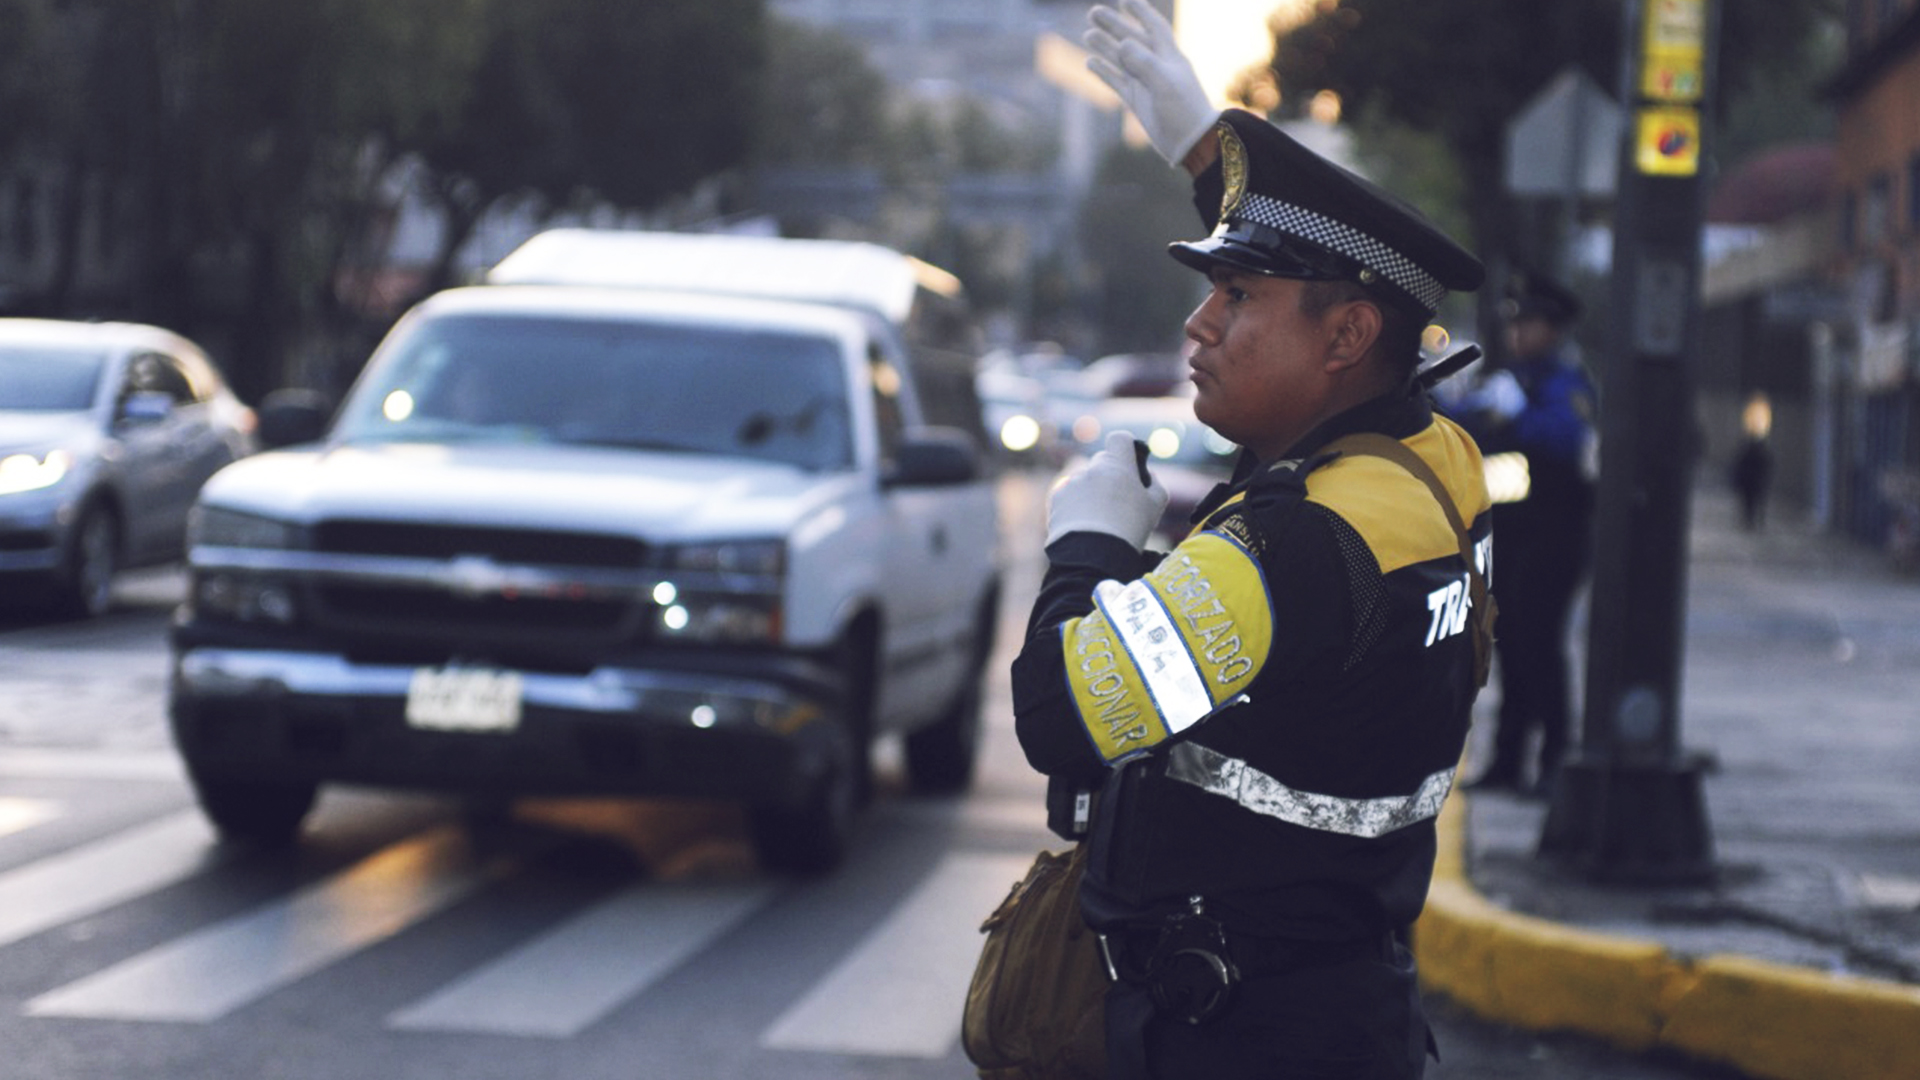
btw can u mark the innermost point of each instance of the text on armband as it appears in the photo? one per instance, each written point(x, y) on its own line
point(1118, 710)
point(1207, 619)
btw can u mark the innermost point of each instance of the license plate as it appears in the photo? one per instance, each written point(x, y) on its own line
point(464, 699)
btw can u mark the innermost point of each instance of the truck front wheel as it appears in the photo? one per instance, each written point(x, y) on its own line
point(811, 838)
point(254, 811)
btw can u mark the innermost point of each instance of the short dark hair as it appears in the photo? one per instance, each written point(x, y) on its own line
point(1400, 332)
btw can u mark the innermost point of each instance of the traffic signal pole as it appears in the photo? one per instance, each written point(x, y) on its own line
point(1628, 804)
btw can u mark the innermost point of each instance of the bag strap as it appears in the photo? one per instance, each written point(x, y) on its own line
point(1373, 444)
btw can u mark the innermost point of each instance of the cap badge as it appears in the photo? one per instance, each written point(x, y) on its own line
point(1233, 169)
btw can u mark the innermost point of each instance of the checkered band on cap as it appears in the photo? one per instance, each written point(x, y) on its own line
point(1345, 240)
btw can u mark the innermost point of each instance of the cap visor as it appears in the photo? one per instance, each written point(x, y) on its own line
point(1204, 255)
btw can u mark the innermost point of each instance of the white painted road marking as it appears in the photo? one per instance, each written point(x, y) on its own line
point(900, 993)
point(78, 883)
point(564, 980)
point(209, 973)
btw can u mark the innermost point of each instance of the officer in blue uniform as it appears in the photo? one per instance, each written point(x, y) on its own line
point(1255, 731)
point(1539, 408)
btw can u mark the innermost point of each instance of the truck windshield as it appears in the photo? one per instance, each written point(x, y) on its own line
point(705, 389)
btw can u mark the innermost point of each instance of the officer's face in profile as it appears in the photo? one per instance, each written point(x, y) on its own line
point(1257, 361)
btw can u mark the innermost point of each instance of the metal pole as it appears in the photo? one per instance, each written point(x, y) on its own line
point(1628, 804)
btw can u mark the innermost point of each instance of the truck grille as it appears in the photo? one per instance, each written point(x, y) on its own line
point(504, 545)
point(566, 610)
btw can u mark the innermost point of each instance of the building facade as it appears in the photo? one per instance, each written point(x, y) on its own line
point(1874, 366)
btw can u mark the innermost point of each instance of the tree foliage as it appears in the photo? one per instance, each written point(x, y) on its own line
point(1135, 207)
point(1461, 69)
point(231, 154)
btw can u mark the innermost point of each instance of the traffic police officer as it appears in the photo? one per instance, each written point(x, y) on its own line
point(1537, 412)
point(1256, 730)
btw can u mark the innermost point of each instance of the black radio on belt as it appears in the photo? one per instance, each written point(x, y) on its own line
point(1189, 971)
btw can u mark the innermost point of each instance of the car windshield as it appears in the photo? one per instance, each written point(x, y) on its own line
point(703, 389)
point(46, 378)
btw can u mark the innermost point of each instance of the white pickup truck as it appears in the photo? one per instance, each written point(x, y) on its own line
point(568, 539)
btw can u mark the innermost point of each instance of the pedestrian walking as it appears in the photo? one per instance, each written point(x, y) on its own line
point(1254, 732)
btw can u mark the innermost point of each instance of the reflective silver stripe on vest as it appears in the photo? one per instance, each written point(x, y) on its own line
point(1231, 778)
point(1146, 628)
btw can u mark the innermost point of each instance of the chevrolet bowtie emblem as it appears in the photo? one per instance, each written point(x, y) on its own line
point(475, 577)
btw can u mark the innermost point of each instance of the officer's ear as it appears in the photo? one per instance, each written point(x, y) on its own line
point(1353, 327)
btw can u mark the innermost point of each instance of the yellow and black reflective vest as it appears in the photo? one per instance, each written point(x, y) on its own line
point(1273, 711)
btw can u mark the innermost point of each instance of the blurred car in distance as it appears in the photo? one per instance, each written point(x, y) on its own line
point(1013, 407)
point(107, 432)
point(1187, 457)
point(1141, 374)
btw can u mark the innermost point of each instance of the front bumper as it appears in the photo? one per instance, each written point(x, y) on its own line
point(31, 534)
point(765, 734)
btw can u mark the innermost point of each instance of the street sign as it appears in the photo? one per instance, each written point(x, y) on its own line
point(1667, 141)
point(1565, 141)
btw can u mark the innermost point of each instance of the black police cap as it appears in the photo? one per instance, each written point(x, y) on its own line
point(1532, 295)
point(1288, 212)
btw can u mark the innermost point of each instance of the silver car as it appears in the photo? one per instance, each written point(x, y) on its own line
point(107, 431)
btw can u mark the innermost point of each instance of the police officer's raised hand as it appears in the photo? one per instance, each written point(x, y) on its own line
point(1107, 497)
point(1133, 51)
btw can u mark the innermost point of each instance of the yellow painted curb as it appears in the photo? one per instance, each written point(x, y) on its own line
point(1770, 1020)
point(1788, 1023)
point(1530, 972)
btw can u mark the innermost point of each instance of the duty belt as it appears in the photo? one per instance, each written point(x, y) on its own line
point(1191, 966)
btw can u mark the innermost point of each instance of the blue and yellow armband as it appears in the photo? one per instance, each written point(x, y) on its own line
point(1160, 654)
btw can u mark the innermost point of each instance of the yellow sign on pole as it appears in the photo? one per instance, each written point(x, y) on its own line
point(1673, 51)
point(1667, 141)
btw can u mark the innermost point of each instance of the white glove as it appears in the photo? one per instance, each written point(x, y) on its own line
point(1133, 51)
point(1500, 396)
point(1107, 497)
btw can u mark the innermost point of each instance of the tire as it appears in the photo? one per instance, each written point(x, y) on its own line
point(85, 587)
point(941, 756)
point(812, 838)
point(267, 814)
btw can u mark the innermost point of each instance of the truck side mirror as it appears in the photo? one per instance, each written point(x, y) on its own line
point(932, 456)
point(287, 417)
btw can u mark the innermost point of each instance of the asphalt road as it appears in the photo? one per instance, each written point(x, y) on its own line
point(406, 938)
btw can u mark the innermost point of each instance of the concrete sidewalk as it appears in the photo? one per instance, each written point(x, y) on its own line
point(1801, 960)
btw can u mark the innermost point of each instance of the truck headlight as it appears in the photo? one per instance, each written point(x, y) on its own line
point(212, 527)
point(721, 593)
point(760, 558)
point(228, 588)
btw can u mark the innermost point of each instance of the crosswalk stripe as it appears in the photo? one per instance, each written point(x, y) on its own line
point(566, 979)
point(92, 764)
point(19, 815)
point(88, 879)
point(901, 992)
point(211, 972)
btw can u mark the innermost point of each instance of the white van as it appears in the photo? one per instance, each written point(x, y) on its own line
point(925, 305)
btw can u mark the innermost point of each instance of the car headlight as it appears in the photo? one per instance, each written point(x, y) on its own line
point(212, 527)
point(32, 472)
point(726, 592)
